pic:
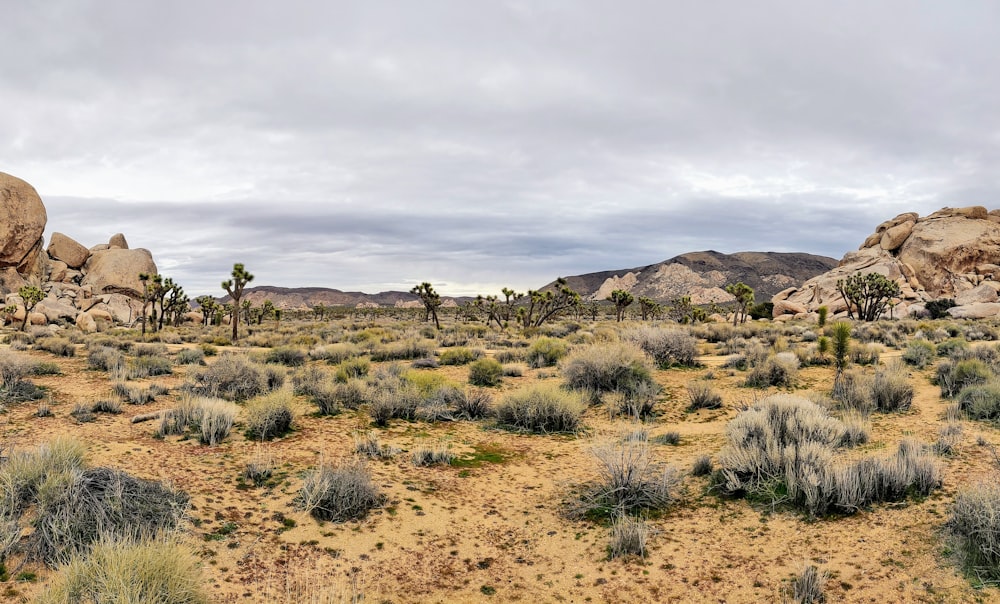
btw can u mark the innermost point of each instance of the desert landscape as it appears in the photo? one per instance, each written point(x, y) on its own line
point(559, 446)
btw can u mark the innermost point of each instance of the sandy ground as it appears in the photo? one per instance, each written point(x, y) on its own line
point(499, 531)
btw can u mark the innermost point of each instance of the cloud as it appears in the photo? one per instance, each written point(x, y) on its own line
point(373, 145)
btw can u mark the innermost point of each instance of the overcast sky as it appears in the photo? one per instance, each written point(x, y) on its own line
point(368, 145)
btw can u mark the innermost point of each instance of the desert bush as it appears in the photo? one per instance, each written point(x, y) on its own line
point(46, 368)
point(629, 481)
point(430, 456)
point(475, 403)
point(628, 537)
point(23, 472)
point(232, 377)
point(857, 428)
point(891, 389)
point(485, 372)
point(459, 356)
point(541, 408)
point(670, 437)
point(778, 370)
point(603, 368)
point(259, 467)
point(216, 419)
point(61, 347)
point(975, 521)
point(310, 379)
point(289, 356)
point(949, 437)
point(545, 352)
point(147, 366)
point(129, 570)
point(105, 359)
point(339, 492)
point(190, 356)
point(402, 351)
point(866, 354)
point(110, 405)
point(351, 394)
point(703, 396)
point(952, 348)
point(14, 368)
point(667, 347)
point(853, 391)
point(919, 353)
point(952, 376)
point(149, 350)
point(82, 413)
point(390, 400)
point(269, 416)
point(334, 353)
point(428, 363)
point(352, 369)
point(513, 371)
point(639, 404)
point(807, 587)
point(369, 445)
point(133, 395)
point(981, 401)
point(702, 466)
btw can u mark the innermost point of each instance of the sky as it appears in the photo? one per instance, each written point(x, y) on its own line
point(372, 145)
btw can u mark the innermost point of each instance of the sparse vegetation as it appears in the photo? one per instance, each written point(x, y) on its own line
point(339, 492)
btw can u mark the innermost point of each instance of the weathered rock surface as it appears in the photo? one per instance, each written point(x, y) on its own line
point(118, 241)
point(22, 221)
point(67, 250)
point(952, 253)
point(117, 271)
point(979, 310)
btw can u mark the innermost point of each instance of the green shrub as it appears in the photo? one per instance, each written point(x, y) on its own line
point(541, 408)
point(288, 356)
point(269, 416)
point(938, 309)
point(603, 368)
point(124, 570)
point(335, 353)
point(147, 366)
point(891, 389)
point(402, 351)
point(866, 354)
point(485, 372)
point(667, 347)
point(149, 350)
point(919, 353)
point(779, 370)
point(981, 401)
point(339, 492)
point(351, 369)
point(545, 352)
point(952, 348)
point(459, 356)
point(953, 376)
point(58, 346)
point(191, 356)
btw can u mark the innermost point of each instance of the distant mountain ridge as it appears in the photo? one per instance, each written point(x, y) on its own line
point(307, 298)
point(704, 275)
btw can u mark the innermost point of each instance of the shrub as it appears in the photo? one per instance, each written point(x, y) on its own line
point(46, 369)
point(232, 377)
point(105, 359)
point(541, 408)
point(334, 353)
point(339, 492)
point(671, 437)
point(919, 353)
point(352, 394)
point(191, 356)
point(309, 380)
point(629, 482)
point(428, 363)
point(703, 396)
point(778, 370)
point(475, 403)
point(485, 372)
point(134, 395)
point(14, 368)
point(667, 347)
point(129, 570)
point(402, 351)
point(146, 366)
point(952, 348)
point(351, 369)
point(260, 467)
point(111, 406)
point(807, 588)
point(975, 520)
point(938, 309)
point(981, 401)
point(545, 352)
point(370, 446)
point(459, 356)
point(702, 466)
point(891, 389)
point(216, 419)
point(149, 350)
point(269, 416)
point(429, 456)
point(628, 537)
point(23, 472)
point(602, 368)
point(393, 400)
point(949, 437)
point(866, 354)
point(58, 346)
point(953, 376)
point(288, 356)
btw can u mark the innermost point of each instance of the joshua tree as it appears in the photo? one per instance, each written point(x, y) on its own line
point(431, 300)
point(744, 300)
point(234, 287)
point(151, 284)
point(622, 300)
point(869, 294)
point(31, 295)
point(648, 307)
point(208, 306)
point(542, 306)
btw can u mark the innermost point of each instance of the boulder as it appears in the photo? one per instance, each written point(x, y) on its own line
point(981, 310)
point(978, 294)
point(57, 271)
point(941, 251)
point(894, 237)
point(55, 309)
point(10, 280)
point(898, 220)
point(22, 220)
point(117, 271)
point(117, 241)
point(971, 212)
point(124, 309)
point(67, 250)
point(193, 317)
point(36, 318)
point(787, 307)
point(86, 323)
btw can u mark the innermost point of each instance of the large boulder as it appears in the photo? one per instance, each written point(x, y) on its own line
point(116, 271)
point(985, 292)
point(118, 241)
point(124, 309)
point(56, 309)
point(67, 250)
point(22, 221)
point(980, 310)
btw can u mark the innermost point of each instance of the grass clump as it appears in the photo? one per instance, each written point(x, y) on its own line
point(807, 587)
point(667, 347)
point(334, 354)
point(370, 445)
point(147, 366)
point(953, 376)
point(459, 356)
point(919, 353)
point(703, 396)
point(351, 369)
point(406, 350)
point(61, 347)
point(541, 408)
point(289, 356)
point(629, 482)
point(629, 537)
point(269, 416)
point(339, 492)
point(981, 401)
point(545, 352)
point(232, 377)
point(14, 388)
point(105, 358)
point(431, 456)
point(191, 356)
point(777, 370)
point(975, 521)
point(605, 368)
point(891, 389)
point(129, 570)
point(485, 372)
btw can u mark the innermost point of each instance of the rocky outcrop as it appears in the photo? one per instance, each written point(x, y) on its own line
point(22, 222)
point(952, 253)
point(65, 250)
point(116, 271)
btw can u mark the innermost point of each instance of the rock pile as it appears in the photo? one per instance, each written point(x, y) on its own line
point(952, 253)
point(82, 285)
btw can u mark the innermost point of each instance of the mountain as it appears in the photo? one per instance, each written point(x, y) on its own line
point(306, 298)
point(704, 275)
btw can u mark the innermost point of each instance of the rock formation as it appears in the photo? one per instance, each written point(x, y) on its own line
point(83, 286)
point(952, 253)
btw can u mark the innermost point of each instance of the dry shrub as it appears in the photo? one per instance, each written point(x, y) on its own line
point(269, 416)
point(630, 481)
point(975, 521)
point(339, 492)
point(541, 408)
point(628, 537)
point(232, 377)
point(604, 368)
point(667, 347)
